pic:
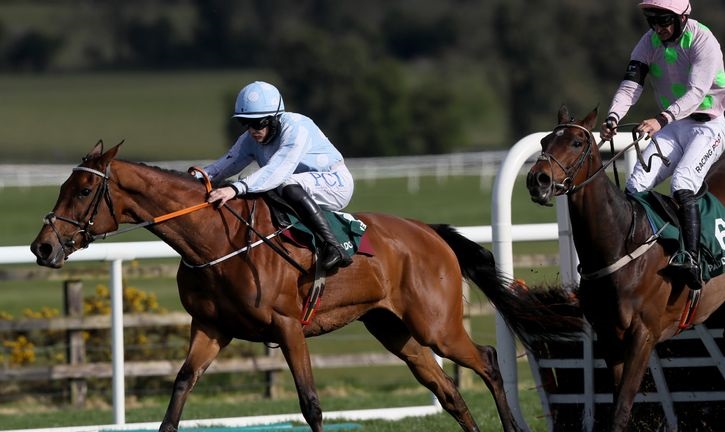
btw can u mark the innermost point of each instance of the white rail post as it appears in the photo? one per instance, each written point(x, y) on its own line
point(503, 253)
point(118, 386)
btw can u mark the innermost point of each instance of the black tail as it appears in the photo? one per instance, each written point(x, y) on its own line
point(533, 315)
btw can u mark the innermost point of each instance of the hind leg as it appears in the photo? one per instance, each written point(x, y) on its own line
point(456, 345)
point(453, 342)
point(396, 337)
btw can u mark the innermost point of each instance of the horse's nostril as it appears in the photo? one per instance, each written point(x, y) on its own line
point(42, 250)
point(543, 179)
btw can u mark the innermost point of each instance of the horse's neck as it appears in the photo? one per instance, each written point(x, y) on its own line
point(149, 192)
point(145, 193)
point(601, 218)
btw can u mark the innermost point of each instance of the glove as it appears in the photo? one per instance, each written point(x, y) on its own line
point(609, 128)
point(611, 123)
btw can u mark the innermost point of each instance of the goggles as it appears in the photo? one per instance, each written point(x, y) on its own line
point(663, 20)
point(255, 123)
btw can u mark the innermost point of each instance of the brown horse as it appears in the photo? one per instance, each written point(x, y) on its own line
point(408, 294)
point(637, 306)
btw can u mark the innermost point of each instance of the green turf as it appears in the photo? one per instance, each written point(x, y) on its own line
point(58, 117)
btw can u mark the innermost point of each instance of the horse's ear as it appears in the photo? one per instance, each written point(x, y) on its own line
point(111, 153)
point(591, 119)
point(563, 116)
point(95, 152)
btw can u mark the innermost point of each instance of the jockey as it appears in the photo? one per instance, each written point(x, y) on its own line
point(295, 158)
point(685, 65)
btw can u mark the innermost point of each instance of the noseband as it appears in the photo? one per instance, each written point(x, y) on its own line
point(567, 185)
point(91, 213)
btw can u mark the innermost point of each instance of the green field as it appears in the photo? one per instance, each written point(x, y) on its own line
point(57, 118)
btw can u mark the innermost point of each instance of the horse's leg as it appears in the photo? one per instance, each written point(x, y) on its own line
point(637, 355)
point(455, 344)
point(397, 339)
point(294, 347)
point(204, 346)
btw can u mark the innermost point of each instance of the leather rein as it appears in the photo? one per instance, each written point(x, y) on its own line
point(103, 194)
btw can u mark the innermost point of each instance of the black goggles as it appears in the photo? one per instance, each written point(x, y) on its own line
point(663, 20)
point(255, 123)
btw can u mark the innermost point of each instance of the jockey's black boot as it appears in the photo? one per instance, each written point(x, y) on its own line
point(689, 215)
point(331, 253)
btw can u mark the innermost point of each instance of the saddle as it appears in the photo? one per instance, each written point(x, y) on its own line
point(350, 232)
point(662, 212)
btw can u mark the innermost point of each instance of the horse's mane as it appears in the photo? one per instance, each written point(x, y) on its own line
point(176, 173)
point(180, 175)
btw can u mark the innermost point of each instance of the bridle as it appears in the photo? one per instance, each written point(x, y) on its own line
point(567, 185)
point(84, 228)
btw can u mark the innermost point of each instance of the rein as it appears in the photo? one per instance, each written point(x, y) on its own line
point(567, 186)
point(103, 192)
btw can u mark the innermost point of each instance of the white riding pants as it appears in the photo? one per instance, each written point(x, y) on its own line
point(331, 190)
point(692, 147)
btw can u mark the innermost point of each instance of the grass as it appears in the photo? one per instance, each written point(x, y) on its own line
point(479, 401)
point(162, 116)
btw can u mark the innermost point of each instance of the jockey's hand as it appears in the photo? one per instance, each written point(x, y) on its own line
point(649, 127)
point(609, 129)
point(221, 195)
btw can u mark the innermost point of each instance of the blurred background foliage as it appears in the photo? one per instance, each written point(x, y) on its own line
point(381, 77)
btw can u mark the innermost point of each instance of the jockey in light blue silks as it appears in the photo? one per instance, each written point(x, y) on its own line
point(295, 158)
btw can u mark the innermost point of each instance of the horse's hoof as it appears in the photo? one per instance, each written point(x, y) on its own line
point(167, 428)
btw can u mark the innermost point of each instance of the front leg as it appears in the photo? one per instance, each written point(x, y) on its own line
point(204, 346)
point(637, 352)
point(294, 347)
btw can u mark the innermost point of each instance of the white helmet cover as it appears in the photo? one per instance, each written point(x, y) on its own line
point(258, 99)
point(678, 7)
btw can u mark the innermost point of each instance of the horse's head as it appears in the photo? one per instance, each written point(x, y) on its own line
point(83, 210)
point(564, 152)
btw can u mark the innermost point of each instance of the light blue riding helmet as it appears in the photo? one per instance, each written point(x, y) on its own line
point(258, 99)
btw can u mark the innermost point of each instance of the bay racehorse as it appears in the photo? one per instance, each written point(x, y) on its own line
point(408, 294)
point(632, 308)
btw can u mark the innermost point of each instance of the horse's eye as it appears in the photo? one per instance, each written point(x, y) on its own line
point(577, 143)
point(85, 192)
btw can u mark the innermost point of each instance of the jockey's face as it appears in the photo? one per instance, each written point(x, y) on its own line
point(258, 128)
point(259, 135)
point(662, 24)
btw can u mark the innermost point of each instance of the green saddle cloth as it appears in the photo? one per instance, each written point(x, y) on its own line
point(347, 229)
point(712, 230)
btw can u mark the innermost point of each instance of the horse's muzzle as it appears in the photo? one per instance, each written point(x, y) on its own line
point(48, 253)
point(540, 187)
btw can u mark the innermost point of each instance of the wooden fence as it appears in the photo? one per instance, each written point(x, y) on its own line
point(77, 370)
